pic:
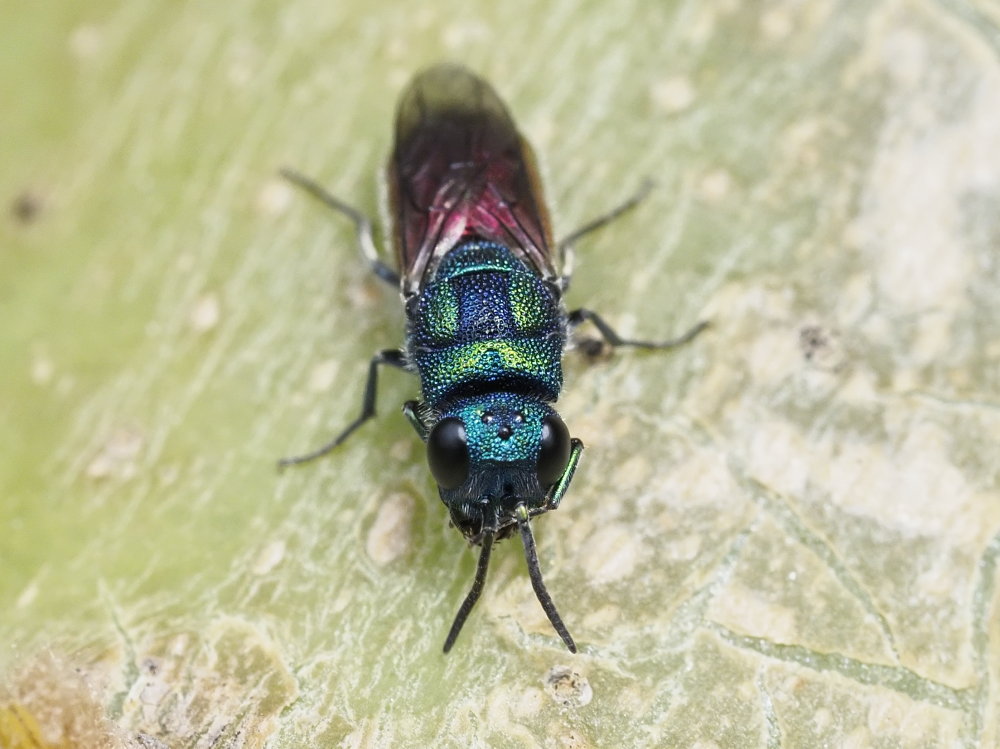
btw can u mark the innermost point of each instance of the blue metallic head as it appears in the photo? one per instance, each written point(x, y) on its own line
point(491, 453)
point(499, 459)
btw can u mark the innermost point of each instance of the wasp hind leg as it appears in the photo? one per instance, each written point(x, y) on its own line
point(362, 224)
point(391, 357)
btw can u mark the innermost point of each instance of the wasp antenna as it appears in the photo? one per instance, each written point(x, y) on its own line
point(474, 592)
point(541, 593)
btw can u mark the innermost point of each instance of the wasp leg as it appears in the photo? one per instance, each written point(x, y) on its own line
point(411, 410)
point(576, 450)
point(362, 224)
point(576, 317)
point(565, 246)
point(392, 357)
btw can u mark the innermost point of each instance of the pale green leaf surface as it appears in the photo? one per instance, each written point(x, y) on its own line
point(782, 535)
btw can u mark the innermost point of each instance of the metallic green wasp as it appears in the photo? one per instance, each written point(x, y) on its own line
point(482, 285)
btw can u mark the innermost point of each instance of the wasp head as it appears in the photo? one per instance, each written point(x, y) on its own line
point(491, 454)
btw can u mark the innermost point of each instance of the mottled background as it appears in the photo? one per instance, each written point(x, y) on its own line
point(782, 535)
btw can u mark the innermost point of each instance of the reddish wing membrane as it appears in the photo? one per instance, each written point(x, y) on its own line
point(459, 170)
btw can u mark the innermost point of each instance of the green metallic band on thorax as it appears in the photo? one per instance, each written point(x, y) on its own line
point(486, 322)
point(528, 362)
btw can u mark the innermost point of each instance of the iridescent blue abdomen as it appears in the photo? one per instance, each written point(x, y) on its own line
point(485, 323)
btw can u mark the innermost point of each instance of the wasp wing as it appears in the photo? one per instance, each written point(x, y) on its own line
point(461, 170)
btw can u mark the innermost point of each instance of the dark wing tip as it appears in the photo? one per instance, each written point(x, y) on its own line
point(445, 90)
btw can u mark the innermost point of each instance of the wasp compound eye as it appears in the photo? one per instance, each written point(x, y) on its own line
point(448, 453)
point(553, 454)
